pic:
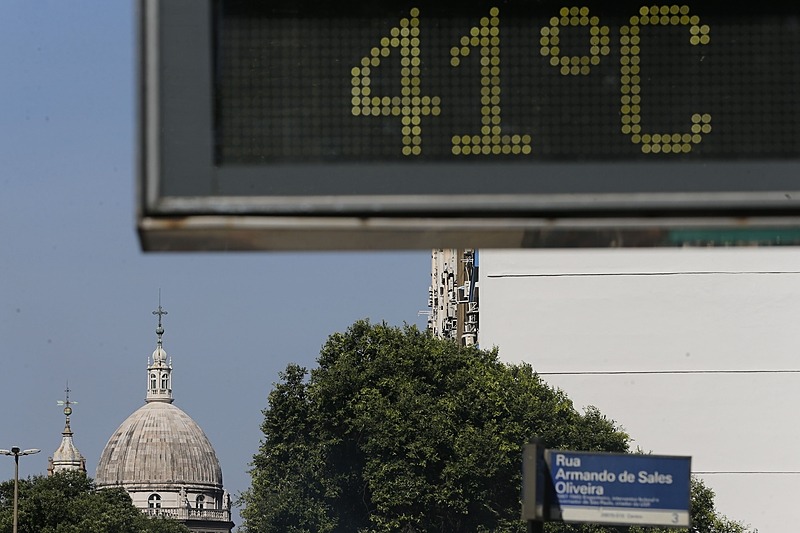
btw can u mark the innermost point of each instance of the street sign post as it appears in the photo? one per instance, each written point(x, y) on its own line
point(416, 124)
point(609, 488)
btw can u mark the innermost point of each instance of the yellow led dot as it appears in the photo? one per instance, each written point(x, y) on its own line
point(554, 21)
point(564, 21)
point(584, 21)
point(626, 128)
point(356, 91)
point(595, 60)
point(706, 128)
point(564, 11)
point(594, 21)
point(406, 150)
point(545, 51)
point(684, 10)
point(656, 148)
point(646, 148)
point(674, 20)
point(636, 138)
point(356, 111)
point(494, 11)
point(573, 10)
point(454, 62)
point(565, 71)
point(696, 118)
point(694, 19)
point(435, 100)
point(666, 148)
point(545, 31)
point(554, 61)
point(516, 149)
point(686, 148)
point(497, 149)
point(644, 10)
point(575, 70)
point(574, 60)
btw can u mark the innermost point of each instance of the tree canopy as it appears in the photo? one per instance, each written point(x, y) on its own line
point(68, 502)
point(397, 431)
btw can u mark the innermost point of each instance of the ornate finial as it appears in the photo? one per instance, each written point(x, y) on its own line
point(67, 403)
point(160, 312)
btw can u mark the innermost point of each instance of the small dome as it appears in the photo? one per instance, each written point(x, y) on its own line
point(67, 453)
point(159, 355)
point(159, 445)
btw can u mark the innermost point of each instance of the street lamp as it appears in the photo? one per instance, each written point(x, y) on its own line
point(16, 452)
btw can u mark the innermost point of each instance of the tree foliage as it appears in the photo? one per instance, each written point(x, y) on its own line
point(68, 502)
point(397, 431)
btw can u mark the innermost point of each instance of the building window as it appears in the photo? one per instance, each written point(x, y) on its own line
point(153, 381)
point(163, 382)
point(154, 501)
point(201, 502)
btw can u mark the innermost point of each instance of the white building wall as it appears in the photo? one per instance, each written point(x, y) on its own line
point(668, 310)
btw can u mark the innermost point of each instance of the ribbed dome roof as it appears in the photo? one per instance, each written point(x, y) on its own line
point(159, 445)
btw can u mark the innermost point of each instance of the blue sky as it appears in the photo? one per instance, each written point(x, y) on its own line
point(76, 291)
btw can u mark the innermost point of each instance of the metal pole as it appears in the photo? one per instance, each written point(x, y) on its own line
point(16, 487)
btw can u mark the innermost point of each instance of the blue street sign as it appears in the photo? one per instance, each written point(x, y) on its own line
point(622, 489)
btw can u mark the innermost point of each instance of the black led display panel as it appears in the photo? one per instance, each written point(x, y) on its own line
point(505, 81)
point(362, 124)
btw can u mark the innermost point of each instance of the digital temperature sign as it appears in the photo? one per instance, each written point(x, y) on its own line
point(515, 80)
point(421, 123)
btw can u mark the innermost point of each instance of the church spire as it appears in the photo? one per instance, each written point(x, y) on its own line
point(159, 369)
point(67, 456)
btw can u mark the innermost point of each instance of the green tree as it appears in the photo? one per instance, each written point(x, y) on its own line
point(68, 502)
point(397, 431)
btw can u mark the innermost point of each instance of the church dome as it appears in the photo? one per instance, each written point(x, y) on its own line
point(159, 445)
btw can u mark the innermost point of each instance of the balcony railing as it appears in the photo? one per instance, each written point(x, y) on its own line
point(186, 513)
